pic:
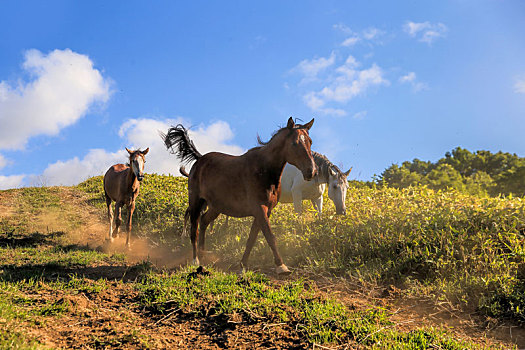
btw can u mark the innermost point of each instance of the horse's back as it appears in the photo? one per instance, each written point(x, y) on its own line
point(113, 179)
point(292, 181)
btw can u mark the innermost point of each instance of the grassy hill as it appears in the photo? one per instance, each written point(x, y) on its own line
point(357, 280)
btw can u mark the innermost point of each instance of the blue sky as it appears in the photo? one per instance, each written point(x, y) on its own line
point(386, 81)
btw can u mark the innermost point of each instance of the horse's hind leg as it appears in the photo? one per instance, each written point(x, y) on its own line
point(110, 217)
point(205, 220)
point(195, 212)
point(250, 243)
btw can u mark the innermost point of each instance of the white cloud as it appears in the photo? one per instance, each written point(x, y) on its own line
point(311, 68)
point(341, 84)
point(360, 115)
point(342, 28)
point(372, 33)
point(347, 83)
point(411, 79)
point(3, 161)
point(75, 170)
point(144, 133)
point(408, 78)
point(141, 133)
point(412, 28)
point(12, 181)
point(425, 31)
point(351, 41)
point(64, 86)
point(519, 86)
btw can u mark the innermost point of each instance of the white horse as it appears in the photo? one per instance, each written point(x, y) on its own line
point(294, 189)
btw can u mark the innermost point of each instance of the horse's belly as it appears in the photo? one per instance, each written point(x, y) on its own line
point(286, 196)
point(237, 213)
point(312, 191)
point(235, 207)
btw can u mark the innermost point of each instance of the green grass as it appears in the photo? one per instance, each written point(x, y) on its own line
point(449, 245)
point(466, 249)
point(253, 298)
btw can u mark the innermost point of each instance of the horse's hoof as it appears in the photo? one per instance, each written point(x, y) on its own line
point(282, 270)
point(110, 239)
point(196, 262)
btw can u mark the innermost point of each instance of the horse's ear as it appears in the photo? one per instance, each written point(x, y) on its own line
point(291, 123)
point(348, 172)
point(145, 151)
point(332, 172)
point(130, 152)
point(308, 125)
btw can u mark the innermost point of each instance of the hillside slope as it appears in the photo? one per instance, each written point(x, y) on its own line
point(61, 285)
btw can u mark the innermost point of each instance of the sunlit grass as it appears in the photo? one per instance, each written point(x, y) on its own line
point(467, 249)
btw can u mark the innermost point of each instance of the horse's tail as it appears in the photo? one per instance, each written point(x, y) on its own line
point(177, 137)
point(183, 171)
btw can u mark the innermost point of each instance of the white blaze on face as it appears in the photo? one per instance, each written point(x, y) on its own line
point(138, 166)
point(302, 138)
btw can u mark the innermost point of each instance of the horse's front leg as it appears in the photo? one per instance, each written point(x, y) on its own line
point(263, 218)
point(118, 218)
point(318, 205)
point(131, 209)
point(297, 195)
point(110, 218)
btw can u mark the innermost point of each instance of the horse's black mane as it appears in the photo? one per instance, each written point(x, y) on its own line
point(262, 143)
point(324, 165)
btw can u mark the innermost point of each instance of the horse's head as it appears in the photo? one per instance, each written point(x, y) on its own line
point(337, 186)
point(297, 148)
point(136, 161)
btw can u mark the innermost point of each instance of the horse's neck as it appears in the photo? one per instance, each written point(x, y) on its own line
point(274, 160)
point(322, 176)
point(131, 181)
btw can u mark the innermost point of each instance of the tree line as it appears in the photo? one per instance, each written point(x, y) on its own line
point(478, 173)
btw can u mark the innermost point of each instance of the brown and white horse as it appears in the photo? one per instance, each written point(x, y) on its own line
point(240, 186)
point(122, 184)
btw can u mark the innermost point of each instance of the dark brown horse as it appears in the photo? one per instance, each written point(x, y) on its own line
point(122, 184)
point(240, 186)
